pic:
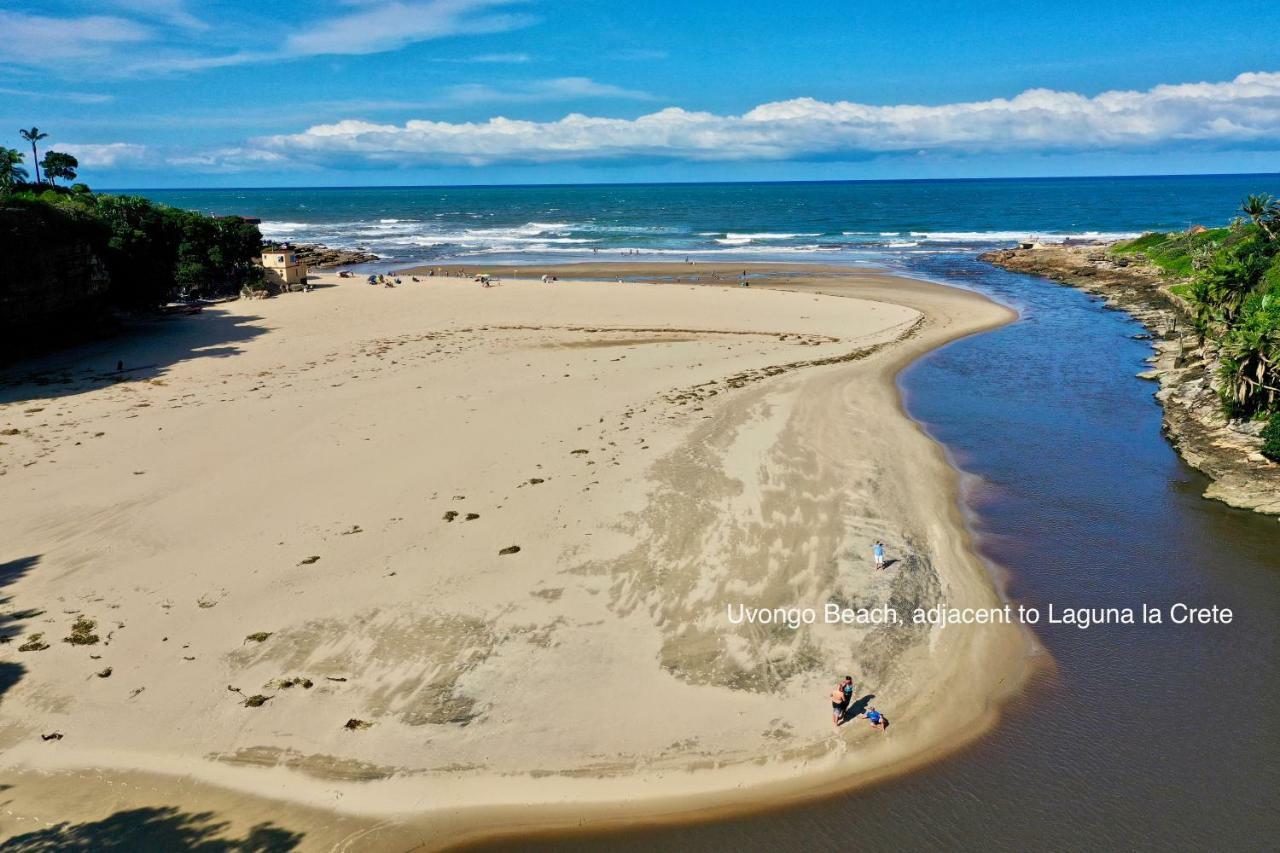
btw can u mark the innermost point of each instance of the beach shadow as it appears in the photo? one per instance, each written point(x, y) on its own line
point(147, 347)
point(890, 562)
point(162, 828)
point(856, 707)
point(11, 621)
point(10, 674)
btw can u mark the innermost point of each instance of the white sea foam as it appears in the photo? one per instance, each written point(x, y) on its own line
point(1007, 236)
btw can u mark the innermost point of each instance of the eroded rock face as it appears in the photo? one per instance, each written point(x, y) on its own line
point(1226, 451)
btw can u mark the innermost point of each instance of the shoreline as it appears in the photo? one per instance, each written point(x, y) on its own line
point(1193, 422)
point(560, 804)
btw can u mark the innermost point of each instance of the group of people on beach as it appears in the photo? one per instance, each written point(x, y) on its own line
point(842, 693)
point(842, 699)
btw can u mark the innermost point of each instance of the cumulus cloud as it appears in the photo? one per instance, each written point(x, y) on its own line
point(1239, 112)
point(105, 155)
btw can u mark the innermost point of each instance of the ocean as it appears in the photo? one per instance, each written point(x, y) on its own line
point(877, 222)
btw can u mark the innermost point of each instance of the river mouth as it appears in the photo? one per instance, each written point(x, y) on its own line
point(1141, 736)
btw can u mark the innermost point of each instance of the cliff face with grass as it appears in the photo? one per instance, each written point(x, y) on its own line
point(1211, 301)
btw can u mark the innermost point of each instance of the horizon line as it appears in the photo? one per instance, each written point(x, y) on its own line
point(696, 183)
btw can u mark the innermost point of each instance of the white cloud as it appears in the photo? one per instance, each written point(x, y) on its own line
point(229, 159)
point(369, 26)
point(69, 97)
point(495, 58)
point(167, 11)
point(105, 155)
point(36, 39)
point(383, 26)
point(557, 89)
point(1242, 111)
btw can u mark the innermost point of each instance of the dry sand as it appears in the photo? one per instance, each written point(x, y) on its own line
point(655, 451)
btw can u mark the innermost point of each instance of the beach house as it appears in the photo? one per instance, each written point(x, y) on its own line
point(283, 269)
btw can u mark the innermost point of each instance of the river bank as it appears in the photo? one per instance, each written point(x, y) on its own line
point(652, 452)
point(1226, 451)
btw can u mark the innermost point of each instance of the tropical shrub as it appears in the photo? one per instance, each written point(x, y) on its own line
point(1231, 279)
point(1271, 438)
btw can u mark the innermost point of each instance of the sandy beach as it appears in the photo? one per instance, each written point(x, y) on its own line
point(381, 568)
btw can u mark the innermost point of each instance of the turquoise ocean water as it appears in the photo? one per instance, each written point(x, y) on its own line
point(836, 222)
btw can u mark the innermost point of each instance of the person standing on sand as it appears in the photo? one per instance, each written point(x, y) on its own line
point(839, 704)
point(877, 551)
point(847, 689)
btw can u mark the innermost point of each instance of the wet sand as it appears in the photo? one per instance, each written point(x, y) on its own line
point(308, 468)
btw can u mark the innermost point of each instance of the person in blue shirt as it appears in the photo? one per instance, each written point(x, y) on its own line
point(876, 719)
point(878, 552)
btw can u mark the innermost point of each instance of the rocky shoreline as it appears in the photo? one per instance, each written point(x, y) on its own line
point(1227, 451)
point(318, 256)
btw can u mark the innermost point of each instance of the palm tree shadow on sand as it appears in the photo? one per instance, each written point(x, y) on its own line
point(147, 348)
point(154, 829)
point(10, 621)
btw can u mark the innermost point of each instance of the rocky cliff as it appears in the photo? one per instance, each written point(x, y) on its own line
point(1227, 451)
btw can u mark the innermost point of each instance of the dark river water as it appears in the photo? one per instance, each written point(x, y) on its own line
point(1142, 737)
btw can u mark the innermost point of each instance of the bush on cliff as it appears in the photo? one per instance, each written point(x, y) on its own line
point(67, 254)
point(1271, 439)
point(153, 253)
point(1231, 278)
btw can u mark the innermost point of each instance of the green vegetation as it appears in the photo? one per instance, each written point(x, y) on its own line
point(152, 253)
point(1271, 439)
point(59, 165)
point(1173, 253)
point(1230, 278)
point(33, 136)
point(66, 253)
point(12, 172)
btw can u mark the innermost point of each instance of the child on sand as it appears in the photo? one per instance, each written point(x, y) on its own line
point(877, 720)
point(878, 552)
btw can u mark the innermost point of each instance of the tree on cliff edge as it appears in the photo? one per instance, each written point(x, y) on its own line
point(33, 136)
point(11, 170)
point(1264, 211)
point(58, 165)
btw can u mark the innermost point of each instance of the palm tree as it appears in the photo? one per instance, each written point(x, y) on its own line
point(11, 171)
point(33, 136)
point(1250, 367)
point(1263, 210)
point(1229, 280)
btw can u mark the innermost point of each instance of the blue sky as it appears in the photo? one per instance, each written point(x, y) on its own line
point(151, 93)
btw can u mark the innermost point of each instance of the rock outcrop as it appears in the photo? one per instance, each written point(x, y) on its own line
point(1227, 451)
point(322, 257)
